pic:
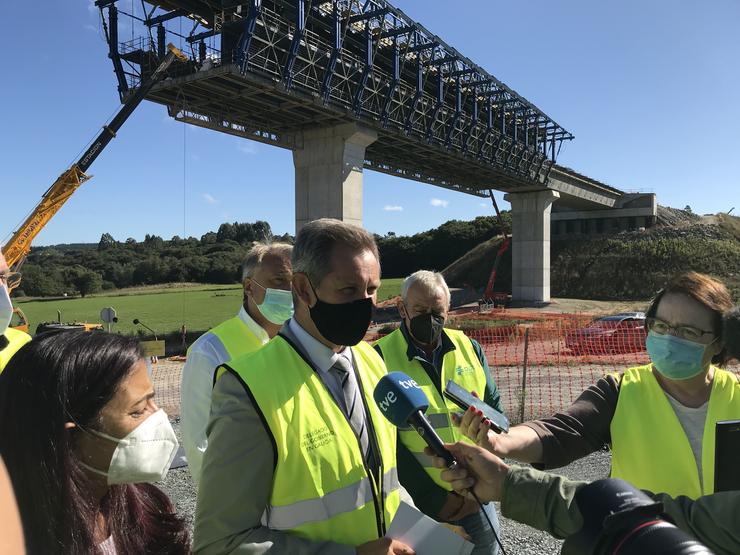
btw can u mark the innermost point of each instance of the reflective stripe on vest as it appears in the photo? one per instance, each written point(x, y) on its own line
point(16, 340)
point(236, 340)
point(335, 503)
point(460, 365)
point(321, 488)
point(649, 446)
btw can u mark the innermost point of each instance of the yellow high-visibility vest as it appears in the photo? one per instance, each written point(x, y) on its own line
point(461, 366)
point(236, 338)
point(649, 446)
point(16, 340)
point(322, 489)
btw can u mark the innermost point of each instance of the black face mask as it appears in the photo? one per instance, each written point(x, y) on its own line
point(426, 328)
point(344, 323)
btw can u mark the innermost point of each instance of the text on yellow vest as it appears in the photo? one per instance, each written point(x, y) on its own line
point(460, 365)
point(322, 489)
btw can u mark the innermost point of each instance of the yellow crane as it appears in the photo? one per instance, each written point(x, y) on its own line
point(16, 249)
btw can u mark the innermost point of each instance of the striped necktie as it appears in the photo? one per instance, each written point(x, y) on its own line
point(354, 408)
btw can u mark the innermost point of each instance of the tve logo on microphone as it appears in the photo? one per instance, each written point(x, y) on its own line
point(398, 397)
point(408, 384)
point(385, 402)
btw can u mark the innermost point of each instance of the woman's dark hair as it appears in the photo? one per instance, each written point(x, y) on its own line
point(708, 291)
point(70, 377)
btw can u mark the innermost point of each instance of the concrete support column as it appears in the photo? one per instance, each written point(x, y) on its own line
point(530, 235)
point(328, 173)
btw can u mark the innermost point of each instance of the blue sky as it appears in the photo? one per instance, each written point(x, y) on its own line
point(650, 90)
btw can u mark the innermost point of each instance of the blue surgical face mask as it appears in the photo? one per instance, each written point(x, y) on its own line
point(675, 358)
point(277, 306)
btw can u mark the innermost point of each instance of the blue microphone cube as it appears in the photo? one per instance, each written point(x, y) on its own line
point(398, 397)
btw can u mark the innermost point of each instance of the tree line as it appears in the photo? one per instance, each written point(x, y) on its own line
point(217, 257)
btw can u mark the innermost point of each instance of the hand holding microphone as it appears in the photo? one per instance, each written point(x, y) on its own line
point(478, 471)
point(403, 402)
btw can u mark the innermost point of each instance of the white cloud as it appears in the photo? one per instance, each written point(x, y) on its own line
point(247, 147)
point(91, 7)
point(393, 208)
point(209, 199)
point(483, 204)
point(439, 202)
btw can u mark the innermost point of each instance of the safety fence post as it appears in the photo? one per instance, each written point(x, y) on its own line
point(524, 375)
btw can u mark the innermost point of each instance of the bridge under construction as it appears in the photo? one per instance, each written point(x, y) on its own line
point(354, 84)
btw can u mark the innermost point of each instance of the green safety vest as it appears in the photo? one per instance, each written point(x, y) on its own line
point(462, 366)
point(321, 489)
point(16, 340)
point(649, 446)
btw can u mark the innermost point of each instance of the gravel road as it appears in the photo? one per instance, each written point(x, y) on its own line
point(518, 539)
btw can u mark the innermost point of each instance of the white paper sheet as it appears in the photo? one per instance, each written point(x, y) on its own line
point(425, 535)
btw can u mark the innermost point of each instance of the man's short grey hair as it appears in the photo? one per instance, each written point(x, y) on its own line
point(315, 241)
point(430, 281)
point(259, 251)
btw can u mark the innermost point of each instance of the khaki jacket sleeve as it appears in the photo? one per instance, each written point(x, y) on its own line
point(541, 500)
point(712, 519)
point(546, 502)
point(236, 481)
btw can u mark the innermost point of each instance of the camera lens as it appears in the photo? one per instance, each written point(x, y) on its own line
point(619, 519)
point(657, 537)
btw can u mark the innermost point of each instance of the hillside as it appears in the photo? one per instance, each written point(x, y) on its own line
point(628, 265)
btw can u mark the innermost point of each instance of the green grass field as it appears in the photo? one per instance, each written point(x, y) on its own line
point(164, 310)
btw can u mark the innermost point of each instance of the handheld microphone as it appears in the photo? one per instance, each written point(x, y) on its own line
point(402, 401)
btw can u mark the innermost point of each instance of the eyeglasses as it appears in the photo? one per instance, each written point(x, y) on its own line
point(684, 332)
point(11, 279)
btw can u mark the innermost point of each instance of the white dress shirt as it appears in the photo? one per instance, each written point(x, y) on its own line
point(322, 357)
point(204, 356)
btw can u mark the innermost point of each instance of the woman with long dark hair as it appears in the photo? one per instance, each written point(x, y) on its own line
point(80, 434)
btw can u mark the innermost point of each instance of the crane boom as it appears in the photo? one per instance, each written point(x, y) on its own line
point(66, 184)
point(500, 254)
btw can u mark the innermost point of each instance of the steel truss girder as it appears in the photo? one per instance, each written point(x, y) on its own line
point(295, 43)
point(242, 48)
point(382, 72)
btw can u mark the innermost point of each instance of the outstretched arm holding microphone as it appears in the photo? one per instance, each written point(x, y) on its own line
point(550, 503)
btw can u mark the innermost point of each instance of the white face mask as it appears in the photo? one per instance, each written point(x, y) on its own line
point(6, 309)
point(144, 455)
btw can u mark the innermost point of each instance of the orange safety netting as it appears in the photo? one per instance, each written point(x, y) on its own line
point(541, 361)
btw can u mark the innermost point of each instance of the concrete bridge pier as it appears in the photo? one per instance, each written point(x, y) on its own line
point(328, 173)
point(530, 235)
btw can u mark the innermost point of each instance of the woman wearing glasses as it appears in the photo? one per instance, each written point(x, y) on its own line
point(10, 339)
point(658, 419)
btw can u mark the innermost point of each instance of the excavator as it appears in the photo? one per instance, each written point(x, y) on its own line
point(19, 245)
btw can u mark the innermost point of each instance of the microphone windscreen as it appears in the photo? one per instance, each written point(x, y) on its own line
point(398, 397)
point(731, 332)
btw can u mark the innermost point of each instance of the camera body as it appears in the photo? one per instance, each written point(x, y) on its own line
point(619, 519)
